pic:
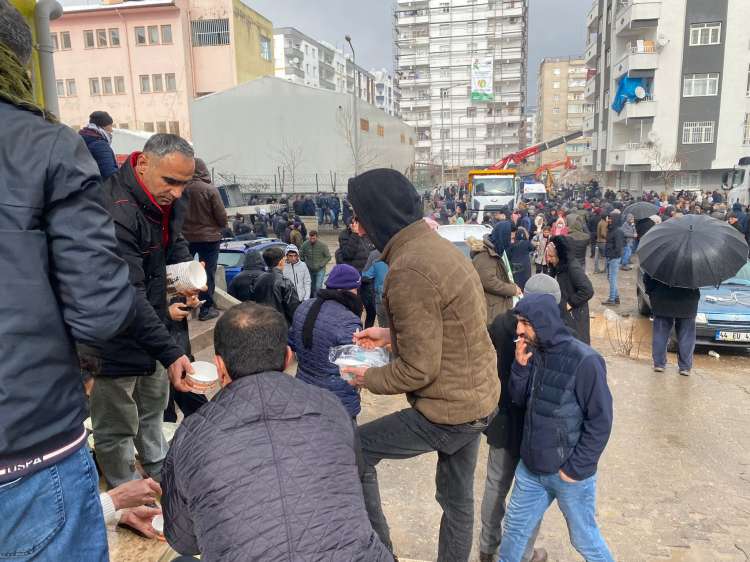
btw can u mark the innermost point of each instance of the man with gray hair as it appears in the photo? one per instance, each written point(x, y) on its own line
point(505, 432)
point(62, 280)
point(132, 390)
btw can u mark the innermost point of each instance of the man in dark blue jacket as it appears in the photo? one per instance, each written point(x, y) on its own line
point(98, 137)
point(562, 383)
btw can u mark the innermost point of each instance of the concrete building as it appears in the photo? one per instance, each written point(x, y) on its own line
point(387, 92)
point(303, 60)
point(440, 46)
point(272, 135)
point(686, 115)
point(531, 121)
point(144, 62)
point(562, 107)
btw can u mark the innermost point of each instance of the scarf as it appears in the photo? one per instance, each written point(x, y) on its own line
point(15, 85)
point(103, 132)
point(349, 300)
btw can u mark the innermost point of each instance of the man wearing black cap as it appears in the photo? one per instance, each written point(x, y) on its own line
point(98, 136)
point(443, 357)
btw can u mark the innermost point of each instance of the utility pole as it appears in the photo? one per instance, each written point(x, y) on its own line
point(355, 119)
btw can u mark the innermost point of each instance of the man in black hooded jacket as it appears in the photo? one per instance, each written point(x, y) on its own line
point(242, 287)
point(613, 253)
point(275, 290)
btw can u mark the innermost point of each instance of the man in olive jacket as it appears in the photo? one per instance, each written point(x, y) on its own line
point(316, 256)
point(443, 357)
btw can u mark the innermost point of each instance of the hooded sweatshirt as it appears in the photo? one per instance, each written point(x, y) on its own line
point(242, 287)
point(564, 389)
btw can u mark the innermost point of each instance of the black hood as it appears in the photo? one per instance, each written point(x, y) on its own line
point(564, 251)
point(385, 202)
point(254, 262)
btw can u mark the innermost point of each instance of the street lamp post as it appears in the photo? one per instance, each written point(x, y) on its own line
point(355, 129)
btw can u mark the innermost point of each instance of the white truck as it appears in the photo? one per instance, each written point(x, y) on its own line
point(736, 184)
point(534, 192)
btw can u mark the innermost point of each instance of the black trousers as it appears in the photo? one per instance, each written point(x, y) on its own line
point(367, 292)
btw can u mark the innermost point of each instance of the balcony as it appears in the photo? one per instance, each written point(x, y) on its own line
point(588, 123)
point(636, 15)
point(425, 143)
point(630, 154)
point(589, 91)
point(592, 51)
point(408, 18)
point(592, 18)
point(645, 109)
point(639, 56)
point(587, 159)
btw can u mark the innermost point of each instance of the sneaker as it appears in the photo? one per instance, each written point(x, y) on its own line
point(540, 555)
point(484, 557)
point(617, 300)
point(658, 369)
point(610, 302)
point(210, 314)
point(684, 372)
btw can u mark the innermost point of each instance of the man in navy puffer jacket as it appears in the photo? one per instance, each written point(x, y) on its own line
point(324, 322)
point(562, 383)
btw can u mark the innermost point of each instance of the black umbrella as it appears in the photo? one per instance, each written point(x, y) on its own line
point(641, 210)
point(692, 251)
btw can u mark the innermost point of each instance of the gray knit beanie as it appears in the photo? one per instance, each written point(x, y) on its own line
point(541, 284)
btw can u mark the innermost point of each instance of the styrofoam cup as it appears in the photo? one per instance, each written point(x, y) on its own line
point(158, 524)
point(204, 374)
point(187, 276)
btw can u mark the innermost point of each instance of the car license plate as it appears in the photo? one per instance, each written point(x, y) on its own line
point(733, 336)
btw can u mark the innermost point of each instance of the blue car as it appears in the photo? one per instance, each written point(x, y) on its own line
point(232, 254)
point(723, 318)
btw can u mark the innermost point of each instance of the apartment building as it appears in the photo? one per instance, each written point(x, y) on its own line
point(387, 92)
point(562, 107)
point(531, 121)
point(144, 62)
point(442, 47)
point(670, 84)
point(303, 60)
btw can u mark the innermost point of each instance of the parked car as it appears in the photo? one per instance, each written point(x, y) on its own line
point(232, 254)
point(723, 318)
point(459, 233)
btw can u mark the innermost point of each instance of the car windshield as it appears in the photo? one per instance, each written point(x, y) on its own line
point(231, 259)
point(494, 185)
point(742, 277)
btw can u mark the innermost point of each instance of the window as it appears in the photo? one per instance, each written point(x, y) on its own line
point(444, 30)
point(471, 154)
point(65, 40)
point(695, 85)
point(88, 39)
point(123, 126)
point(60, 86)
point(148, 126)
point(471, 133)
point(697, 132)
point(157, 83)
point(119, 85)
point(556, 72)
point(174, 127)
point(403, 138)
point(208, 33)
point(161, 126)
point(688, 180)
point(101, 38)
point(471, 112)
point(748, 81)
point(169, 78)
point(145, 81)
point(471, 47)
point(265, 47)
point(411, 141)
point(94, 88)
point(166, 34)
point(556, 97)
point(444, 48)
point(746, 130)
point(114, 37)
point(153, 34)
point(705, 34)
point(556, 85)
point(107, 86)
point(364, 125)
point(55, 44)
point(445, 7)
point(140, 35)
point(445, 114)
point(381, 131)
point(445, 72)
point(70, 86)
point(556, 110)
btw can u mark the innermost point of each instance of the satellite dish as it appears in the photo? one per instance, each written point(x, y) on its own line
point(662, 41)
point(640, 92)
point(653, 137)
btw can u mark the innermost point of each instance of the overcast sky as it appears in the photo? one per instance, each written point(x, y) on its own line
point(556, 27)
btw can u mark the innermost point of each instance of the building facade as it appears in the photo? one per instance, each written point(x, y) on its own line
point(438, 44)
point(531, 121)
point(144, 62)
point(670, 84)
point(303, 60)
point(387, 92)
point(562, 107)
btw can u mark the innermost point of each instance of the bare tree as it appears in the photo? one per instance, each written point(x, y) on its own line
point(666, 165)
point(290, 155)
point(364, 156)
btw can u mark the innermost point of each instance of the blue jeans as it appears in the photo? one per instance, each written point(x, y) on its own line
point(627, 252)
point(316, 281)
point(685, 331)
point(613, 268)
point(532, 495)
point(54, 514)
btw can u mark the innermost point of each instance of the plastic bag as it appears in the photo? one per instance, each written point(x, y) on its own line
point(355, 356)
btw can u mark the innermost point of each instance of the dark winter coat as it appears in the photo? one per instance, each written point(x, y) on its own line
point(352, 250)
point(62, 280)
point(576, 289)
point(276, 291)
point(141, 231)
point(242, 287)
point(564, 389)
point(671, 302)
point(266, 471)
point(101, 151)
point(206, 216)
point(615, 238)
point(579, 236)
point(334, 326)
point(519, 256)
